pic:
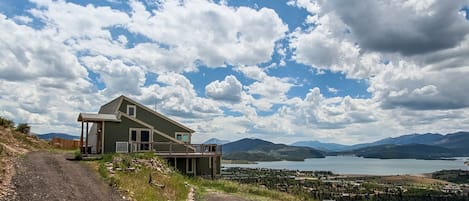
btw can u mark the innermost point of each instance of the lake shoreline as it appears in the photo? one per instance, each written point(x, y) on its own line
point(352, 165)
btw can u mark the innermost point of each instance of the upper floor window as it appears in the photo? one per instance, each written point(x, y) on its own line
point(132, 110)
point(185, 137)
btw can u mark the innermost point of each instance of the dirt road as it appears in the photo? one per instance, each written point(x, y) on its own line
point(49, 176)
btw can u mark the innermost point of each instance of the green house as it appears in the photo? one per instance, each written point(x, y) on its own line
point(124, 126)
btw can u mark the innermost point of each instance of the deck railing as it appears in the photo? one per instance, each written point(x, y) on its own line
point(171, 148)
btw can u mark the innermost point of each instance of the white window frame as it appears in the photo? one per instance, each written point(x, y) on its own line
point(139, 136)
point(181, 134)
point(125, 144)
point(135, 110)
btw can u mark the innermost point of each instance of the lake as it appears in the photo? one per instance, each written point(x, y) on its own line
point(359, 165)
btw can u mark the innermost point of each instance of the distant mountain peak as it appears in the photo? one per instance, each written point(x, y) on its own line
point(215, 141)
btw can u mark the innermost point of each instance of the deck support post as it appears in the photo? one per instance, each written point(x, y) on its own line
point(81, 137)
point(86, 147)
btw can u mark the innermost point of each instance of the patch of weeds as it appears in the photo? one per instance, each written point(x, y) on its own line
point(107, 158)
point(145, 155)
point(77, 155)
point(137, 184)
point(103, 171)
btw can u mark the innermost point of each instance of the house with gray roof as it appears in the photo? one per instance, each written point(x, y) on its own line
point(125, 126)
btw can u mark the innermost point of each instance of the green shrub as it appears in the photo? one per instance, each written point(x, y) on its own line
point(4, 122)
point(103, 171)
point(23, 128)
point(77, 155)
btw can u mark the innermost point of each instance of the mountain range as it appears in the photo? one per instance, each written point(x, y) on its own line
point(454, 141)
point(417, 146)
point(261, 150)
point(49, 136)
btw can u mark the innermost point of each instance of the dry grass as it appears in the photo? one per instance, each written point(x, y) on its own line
point(251, 192)
point(135, 184)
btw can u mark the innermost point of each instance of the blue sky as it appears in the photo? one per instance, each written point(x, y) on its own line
point(285, 71)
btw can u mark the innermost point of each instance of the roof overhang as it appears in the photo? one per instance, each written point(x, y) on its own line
point(94, 117)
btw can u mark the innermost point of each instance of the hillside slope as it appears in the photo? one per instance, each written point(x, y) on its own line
point(261, 150)
point(415, 151)
point(12, 145)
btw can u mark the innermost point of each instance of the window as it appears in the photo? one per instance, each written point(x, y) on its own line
point(185, 137)
point(145, 138)
point(131, 110)
point(133, 135)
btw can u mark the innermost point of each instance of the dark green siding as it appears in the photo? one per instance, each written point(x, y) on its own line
point(117, 131)
point(157, 122)
point(203, 166)
point(181, 165)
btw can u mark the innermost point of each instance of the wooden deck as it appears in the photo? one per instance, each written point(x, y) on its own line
point(175, 150)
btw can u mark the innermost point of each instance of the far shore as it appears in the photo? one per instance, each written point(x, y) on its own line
point(237, 162)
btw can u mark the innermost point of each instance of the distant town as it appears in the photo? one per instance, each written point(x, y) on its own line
point(324, 185)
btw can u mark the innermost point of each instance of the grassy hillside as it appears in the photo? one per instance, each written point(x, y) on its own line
point(147, 177)
point(261, 150)
point(455, 176)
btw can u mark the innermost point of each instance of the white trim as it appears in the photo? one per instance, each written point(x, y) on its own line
point(135, 110)
point(102, 137)
point(118, 107)
point(158, 114)
point(183, 133)
point(154, 130)
point(149, 126)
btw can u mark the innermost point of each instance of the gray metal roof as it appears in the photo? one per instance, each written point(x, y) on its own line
point(94, 117)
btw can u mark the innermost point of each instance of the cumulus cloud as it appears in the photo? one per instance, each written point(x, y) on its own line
point(178, 98)
point(403, 54)
point(413, 27)
point(117, 76)
point(229, 89)
point(414, 60)
point(30, 54)
point(330, 113)
point(212, 33)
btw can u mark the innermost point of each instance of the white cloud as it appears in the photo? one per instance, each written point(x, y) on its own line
point(332, 90)
point(30, 54)
point(422, 82)
point(252, 72)
point(118, 77)
point(178, 98)
point(230, 89)
point(215, 34)
point(68, 20)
